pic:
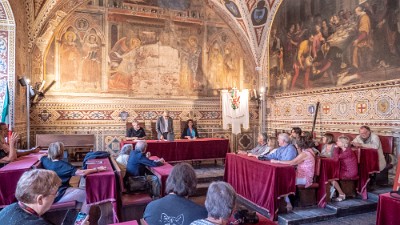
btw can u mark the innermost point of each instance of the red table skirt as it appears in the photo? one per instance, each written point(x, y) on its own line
point(329, 171)
point(261, 182)
point(180, 150)
point(369, 163)
point(388, 207)
point(101, 187)
point(162, 172)
point(9, 176)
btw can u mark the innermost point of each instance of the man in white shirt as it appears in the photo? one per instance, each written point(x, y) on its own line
point(366, 139)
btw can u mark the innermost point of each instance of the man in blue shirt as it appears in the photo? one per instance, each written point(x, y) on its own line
point(137, 163)
point(285, 151)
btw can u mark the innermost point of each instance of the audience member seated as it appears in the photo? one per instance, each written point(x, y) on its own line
point(136, 131)
point(8, 153)
point(65, 171)
point(367, 139)
point(295, 134)
point(262, 140)
point(176, 207)
point(35, 192)
point(305, 162)
point(285, 151)
point(190, 131)
point(272, 146)
point(137, 162)
point(123, 157)
point(329, 145)
point(220, 203)
point(348, 165)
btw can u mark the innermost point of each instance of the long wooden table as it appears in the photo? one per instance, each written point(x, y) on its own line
point(260, 182)
point(181, 150)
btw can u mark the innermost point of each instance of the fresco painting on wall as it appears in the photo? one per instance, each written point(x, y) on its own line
point(320, 44)
point(152, 58)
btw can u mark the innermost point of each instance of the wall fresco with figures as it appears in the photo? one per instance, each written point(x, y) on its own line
point(162, 49)
point(320, 43)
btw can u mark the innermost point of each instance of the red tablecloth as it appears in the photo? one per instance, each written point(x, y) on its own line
point(162, 172)
point(388, 207)
point(261, 182)
point(369, 163)
point(101, 187)
point(9, 176)
point(179, 150)
point(329, 171)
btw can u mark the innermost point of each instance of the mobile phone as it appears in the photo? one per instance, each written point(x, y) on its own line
point(81, 218)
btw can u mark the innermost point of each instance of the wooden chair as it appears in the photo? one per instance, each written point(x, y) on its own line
point(131, 206)
point(308, 196)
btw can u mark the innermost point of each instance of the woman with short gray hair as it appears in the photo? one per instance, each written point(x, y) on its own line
point(65, 171)
point(35, 192)
point(220, 203)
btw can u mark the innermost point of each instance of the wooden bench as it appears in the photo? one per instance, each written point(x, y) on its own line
point(131, 206)
point(78, 144)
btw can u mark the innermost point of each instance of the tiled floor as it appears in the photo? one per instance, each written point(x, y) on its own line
point(358, 219)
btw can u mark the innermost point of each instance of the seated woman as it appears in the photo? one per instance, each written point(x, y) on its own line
point(220, 202)
point(190, 131)
point(305, 162)
point(272, 144)
point(65, 171)
point(35, 192)
point(8, 153)
point(348, 164)
point(181, 184)
point(329, 145)
point(123, 157)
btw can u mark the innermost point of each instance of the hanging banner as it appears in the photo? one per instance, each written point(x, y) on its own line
point(235, 109)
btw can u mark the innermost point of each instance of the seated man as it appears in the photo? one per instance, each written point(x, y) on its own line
point(366, 139)
point(137, 163)
point(36, 191)
point(261, 148)
point(285, 151)
point(136, 131)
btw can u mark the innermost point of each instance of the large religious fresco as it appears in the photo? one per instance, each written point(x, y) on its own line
point(155, 49)
point(324, 43)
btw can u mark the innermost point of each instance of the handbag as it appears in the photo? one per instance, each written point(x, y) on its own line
point(137, 184)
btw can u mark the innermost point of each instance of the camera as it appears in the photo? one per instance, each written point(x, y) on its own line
point(244, 216)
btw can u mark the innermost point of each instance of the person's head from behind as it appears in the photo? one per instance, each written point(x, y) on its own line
point(343, 141)
point(283, 139)
point(141, 146)
point(365, 132)
point(303, 142)
point(220, 200)
point(126, 149)
point(296, 132)
point(328, 138)
point(56, 151)
point(262, 138)
point(272, 142)
point(182, 181)
point(37, 189)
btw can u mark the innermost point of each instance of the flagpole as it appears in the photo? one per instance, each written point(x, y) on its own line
point(28, 127)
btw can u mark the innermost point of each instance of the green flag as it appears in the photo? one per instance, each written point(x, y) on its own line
point(6, 103)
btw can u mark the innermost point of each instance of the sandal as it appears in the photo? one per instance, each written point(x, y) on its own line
point(340, 198)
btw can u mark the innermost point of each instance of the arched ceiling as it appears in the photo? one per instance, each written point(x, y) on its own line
point(250, 19)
